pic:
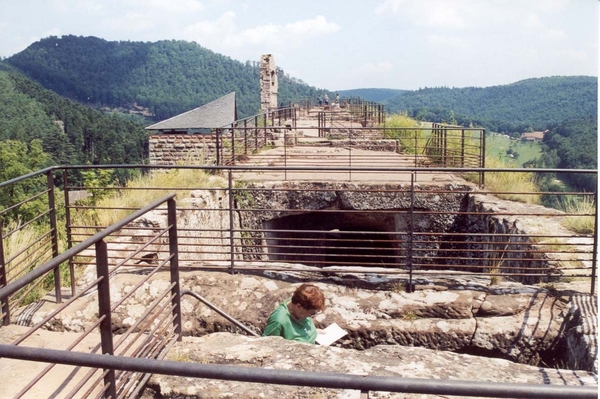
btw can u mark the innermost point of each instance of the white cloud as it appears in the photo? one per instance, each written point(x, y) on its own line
point(372, 68)
point(312, 27)
point(534, 26)
point(131, 22)
point(469, 14)
point(70, 6)
point(222, 26)
point(428, 13)
point(389, 6)
point(255, 36)
point(445, 40)
point(223, 32)
point(149, 17)
point(171, 6)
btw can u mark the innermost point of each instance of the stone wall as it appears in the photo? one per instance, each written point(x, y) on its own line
point(445, 207)
point(516, 240)
point(173, 149)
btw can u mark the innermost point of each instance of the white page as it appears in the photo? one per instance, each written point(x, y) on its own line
point(330, 334)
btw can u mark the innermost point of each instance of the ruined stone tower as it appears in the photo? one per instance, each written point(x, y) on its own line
point(268, 83)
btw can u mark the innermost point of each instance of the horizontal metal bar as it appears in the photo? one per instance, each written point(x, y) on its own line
point(68, 254)
point(28, 175)
point(219, 311)
point(303, 378)
point(325, 169)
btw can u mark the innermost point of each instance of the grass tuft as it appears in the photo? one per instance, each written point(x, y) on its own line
point(145, 189)
point(581, 211)
point(512, 186)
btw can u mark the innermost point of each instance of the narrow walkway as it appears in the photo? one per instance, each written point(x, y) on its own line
point(302, 148)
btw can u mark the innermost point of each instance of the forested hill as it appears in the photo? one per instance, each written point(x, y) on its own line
point(68, 132)
point(531, 103)
point(377, 95)
point(165, 77)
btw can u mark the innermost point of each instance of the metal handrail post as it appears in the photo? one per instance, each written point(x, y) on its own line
point(4, 304)
point(174, 266)
point(54, 235)
point(409, 253)
point(231, 238)
point(245, 139)
point(256, 133)
point(68, 229)
point(350, 154)
point(595, 248)
point(462, 148)
point(218, 143)
point(285, 145)
point(104, 313)
point(416, 150)
point(295, 117)
point(482, 135)
point(232, 146)
point(445, 145)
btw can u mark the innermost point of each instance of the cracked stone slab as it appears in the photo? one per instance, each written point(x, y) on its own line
point(383, 360)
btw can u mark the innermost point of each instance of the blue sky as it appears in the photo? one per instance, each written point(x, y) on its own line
point(343, 44)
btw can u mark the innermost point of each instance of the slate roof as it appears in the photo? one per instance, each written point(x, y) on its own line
point(218, 113)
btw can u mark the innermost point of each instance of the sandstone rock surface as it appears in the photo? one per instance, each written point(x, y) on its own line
point(525, 324)
point(382, 360)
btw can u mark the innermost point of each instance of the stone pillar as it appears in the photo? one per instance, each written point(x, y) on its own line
point(268, 83)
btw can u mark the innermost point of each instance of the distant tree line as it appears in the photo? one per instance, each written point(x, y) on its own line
point(531, 103)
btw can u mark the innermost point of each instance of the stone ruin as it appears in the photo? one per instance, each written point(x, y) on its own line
point(268, 83)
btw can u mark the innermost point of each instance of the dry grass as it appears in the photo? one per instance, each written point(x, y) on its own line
point(514, 186)
point(144, 189)
point(20, 250)
point(21, 238)
point(583, 208)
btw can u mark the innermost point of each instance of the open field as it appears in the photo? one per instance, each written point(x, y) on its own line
point(497, 145)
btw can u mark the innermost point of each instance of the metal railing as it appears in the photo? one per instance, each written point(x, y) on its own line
point(148, 336)
point(363, 384)
point(417, 221)
point(354, 146)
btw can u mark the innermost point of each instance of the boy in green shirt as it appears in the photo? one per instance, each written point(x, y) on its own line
point(292, 319)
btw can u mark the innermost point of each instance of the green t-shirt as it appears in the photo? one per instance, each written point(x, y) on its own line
point(282, 324)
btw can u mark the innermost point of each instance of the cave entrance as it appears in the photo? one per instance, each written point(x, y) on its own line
point(336, 239)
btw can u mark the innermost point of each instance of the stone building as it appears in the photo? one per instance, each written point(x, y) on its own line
point(190, 137)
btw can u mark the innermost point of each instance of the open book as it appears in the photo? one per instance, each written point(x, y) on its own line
point(330, 334)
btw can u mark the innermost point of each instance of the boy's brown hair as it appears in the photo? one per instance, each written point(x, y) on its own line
point(310, 297)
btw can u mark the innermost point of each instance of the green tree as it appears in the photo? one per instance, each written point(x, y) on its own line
point(17, 159)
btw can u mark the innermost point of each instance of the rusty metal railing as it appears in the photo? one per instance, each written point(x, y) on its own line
point(423, 222)
point(385, 220)
point(364, 384)
point(147, 336)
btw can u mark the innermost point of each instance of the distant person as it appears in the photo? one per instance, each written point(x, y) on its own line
point(292, 319)
point(326, 99)
point(337, 98)
point(320, 101)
